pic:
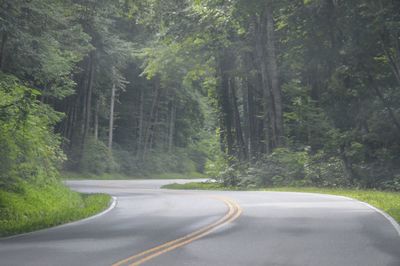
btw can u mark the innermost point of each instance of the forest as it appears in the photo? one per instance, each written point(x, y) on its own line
point(253, 93)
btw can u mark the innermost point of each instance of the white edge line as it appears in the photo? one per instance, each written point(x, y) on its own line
point(394, 223)
point(384, 214)
point(112, 206)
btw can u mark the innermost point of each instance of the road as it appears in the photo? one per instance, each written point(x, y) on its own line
point(212, 228)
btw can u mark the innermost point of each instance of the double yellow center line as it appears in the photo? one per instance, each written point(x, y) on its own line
point(232, 214)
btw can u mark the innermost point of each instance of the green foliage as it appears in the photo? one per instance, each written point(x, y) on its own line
point(34, 207)
point(157, 162)
point(281, 168)
point(42, 44)
point(133, 176)
point(324, 171)
point(337, 69)
point(30, 150)
point(96, 158)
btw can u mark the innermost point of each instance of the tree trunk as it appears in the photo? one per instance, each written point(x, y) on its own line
point(225, 105)
point(274, 76)
point(240, 144)
point(140, 129)
point(246, 116)
point(89, 93)
point(171, 127)
point(111, 121)
point(150, 123)
point(96, 120)
point(269, 110)
point(251, 120)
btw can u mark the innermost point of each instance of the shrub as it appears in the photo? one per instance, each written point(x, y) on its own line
point(97, 158)
point(29, 148)
point(280, 168)
point(326, 172)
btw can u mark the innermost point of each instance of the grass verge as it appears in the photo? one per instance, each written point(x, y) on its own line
point(386, 201)
point(116, 176)
point(36, 207)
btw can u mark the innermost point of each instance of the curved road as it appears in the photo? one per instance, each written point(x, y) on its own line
point(212, 228)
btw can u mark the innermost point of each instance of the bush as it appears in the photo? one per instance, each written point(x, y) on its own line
point(127, 162)
point(29, 148)
point(281, 168)
point(284, 167)
point(326, 172)
point(97, 158)
point(155, 162)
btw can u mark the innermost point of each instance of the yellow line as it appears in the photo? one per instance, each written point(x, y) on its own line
point(233, 213)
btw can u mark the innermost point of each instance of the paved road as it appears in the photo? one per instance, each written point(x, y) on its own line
point(274, 229)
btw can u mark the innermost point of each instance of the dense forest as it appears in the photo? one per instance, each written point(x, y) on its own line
point(250, 92)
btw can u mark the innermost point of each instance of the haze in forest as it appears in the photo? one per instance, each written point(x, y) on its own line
point(251, 93)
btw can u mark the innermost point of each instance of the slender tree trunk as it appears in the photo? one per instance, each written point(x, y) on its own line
point(140, 129)
point(225, 105)
point(89, 94)
point(242, 151)
point(269, 110)
point(96, 120)
point(111, 121)
point(154, 130)
point(82, 101)
point(347, 165)
point(246, 116)
point(171, 127)
point(150, 124)
point(274, 76)
point(74, 123)
point(251, 120)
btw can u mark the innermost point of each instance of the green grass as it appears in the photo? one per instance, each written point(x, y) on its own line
point(32, 207)
point(386, 201)
point(116, 176)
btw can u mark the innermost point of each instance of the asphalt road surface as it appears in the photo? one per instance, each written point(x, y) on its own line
point(149, 226)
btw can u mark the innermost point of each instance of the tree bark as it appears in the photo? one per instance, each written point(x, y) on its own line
point(111, 121)
point(171, 127)
point(240, 144)
point(89, 93)
point(225, 105)
point(251, 121)
point(150, 123)
point(96, 120)
point(269, 110)
point(140, 129)
point(274, 76)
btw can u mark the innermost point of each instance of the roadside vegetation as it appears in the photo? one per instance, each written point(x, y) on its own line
point(383, 200)
point(117, 176)
point(31, 193)
point(32, 207)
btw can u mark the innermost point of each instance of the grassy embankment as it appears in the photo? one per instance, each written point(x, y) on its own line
point(386, 201)
point(31, 207)
point(116, 176)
